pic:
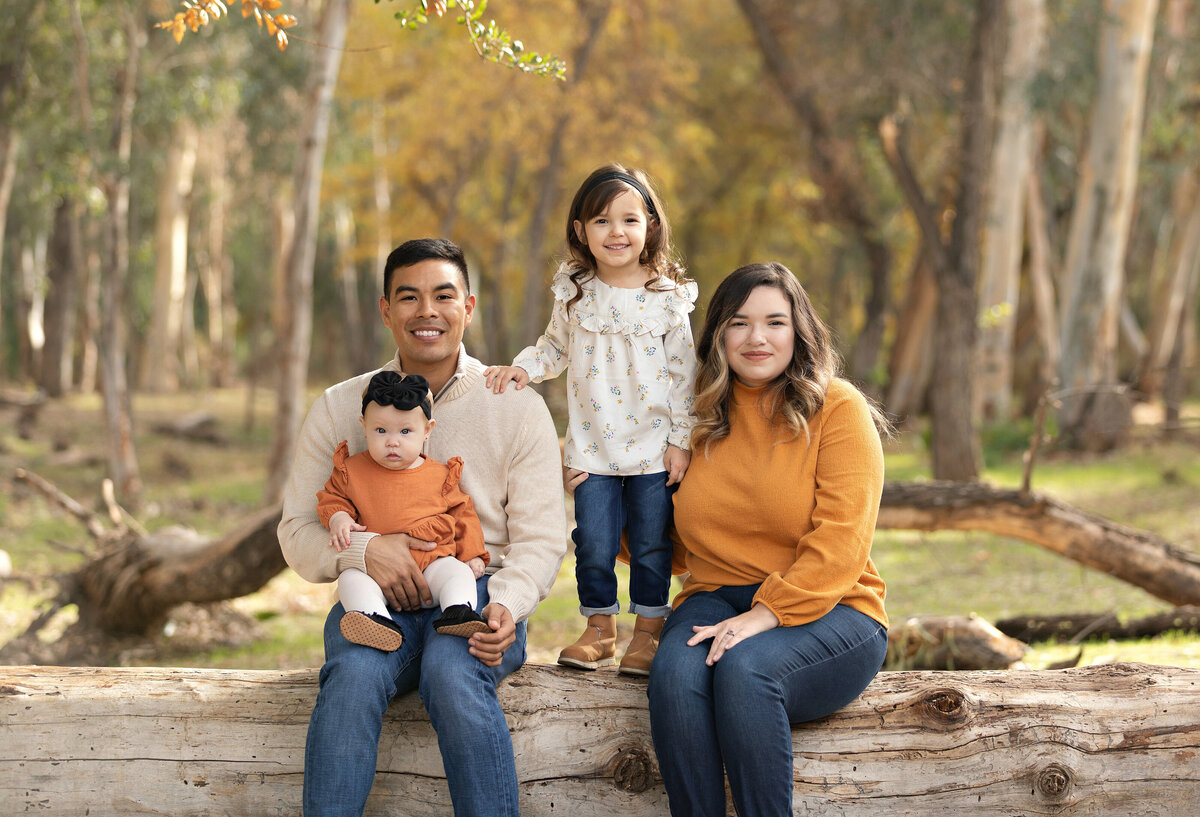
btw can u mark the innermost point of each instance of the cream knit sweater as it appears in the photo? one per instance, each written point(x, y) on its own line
point(512, 472)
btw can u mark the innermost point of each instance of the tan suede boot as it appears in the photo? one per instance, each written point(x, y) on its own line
point(596, 647)
point(642, 646)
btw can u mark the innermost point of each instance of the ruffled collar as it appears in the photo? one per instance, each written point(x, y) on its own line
point(612, 310)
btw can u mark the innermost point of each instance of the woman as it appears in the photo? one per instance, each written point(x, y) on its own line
point(781, 617)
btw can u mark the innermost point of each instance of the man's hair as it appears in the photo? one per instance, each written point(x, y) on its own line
point(425, 249)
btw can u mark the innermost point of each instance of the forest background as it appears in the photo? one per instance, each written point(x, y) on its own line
point(995, 204)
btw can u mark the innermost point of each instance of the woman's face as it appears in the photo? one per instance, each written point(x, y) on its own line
point(760, 340)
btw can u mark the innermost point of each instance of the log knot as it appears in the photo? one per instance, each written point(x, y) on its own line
point(1054, 781)
point(633, 771)
point(946, 705)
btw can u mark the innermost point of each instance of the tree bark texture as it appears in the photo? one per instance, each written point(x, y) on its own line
point(1134, 556)
point(1083, 742)
point(64, 278)
point(130, 588)
point(1093, 274)
point(836, 168)
point(1000, 269)
point(118, 411)
point(161, 363)
point(911, 361)
point(295, 340)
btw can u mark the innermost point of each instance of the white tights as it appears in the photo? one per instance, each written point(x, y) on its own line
point(450, 581)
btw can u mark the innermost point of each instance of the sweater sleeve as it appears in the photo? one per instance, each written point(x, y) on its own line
point(681, 365)
point(547, 358)
point(304, 540)
point(534, 509)
point(830, 558)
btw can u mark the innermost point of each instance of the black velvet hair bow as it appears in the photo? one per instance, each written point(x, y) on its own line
point(402, 392)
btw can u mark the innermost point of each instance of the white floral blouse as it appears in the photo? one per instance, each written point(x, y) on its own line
point(630, 365)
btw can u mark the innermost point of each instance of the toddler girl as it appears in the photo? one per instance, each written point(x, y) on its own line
point(619, 326)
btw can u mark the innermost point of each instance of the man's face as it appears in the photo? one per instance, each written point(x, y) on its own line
point(427, 310)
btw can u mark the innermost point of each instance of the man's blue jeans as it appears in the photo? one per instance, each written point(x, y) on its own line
point(459, 692)
point(604, 506)
point(735, 717)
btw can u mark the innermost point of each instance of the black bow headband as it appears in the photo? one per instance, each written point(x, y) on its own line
point(401, 392)
point(617, 175)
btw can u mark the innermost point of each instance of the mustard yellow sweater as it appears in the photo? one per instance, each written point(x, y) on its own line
point(797, 516)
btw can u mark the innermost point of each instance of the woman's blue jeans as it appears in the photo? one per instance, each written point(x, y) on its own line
point(356, 685)
point(604, 506)
point(734, 718)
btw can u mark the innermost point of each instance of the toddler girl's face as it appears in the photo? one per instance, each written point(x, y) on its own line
point(616, 235)
point(395, 438)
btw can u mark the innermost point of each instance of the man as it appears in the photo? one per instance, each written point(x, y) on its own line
point(513, 473)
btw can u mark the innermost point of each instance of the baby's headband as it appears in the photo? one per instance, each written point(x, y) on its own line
point(617, 175)
point(401, 392)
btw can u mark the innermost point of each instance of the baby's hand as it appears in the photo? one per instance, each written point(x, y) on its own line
point(476, 566)
point(341, 525)
point(497, 377)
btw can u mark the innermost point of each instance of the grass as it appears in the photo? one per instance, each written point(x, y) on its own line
point(1150, 484)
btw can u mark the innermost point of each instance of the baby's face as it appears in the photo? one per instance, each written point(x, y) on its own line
point(395, 438)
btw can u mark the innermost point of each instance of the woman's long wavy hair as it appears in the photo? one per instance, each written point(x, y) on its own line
point(799, 392)
point(657, 255)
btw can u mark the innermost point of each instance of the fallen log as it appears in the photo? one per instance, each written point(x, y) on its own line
point(1077, 627)
point(1135, 556)
point(1085, 742)
point(950, 643)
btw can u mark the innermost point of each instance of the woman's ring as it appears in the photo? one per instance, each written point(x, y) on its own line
point(730, 632)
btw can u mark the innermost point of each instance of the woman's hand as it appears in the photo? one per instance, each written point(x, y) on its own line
point(497, 377)
point(729, 633)
point(676, 461)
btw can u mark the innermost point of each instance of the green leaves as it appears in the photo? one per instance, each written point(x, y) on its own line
point(490, 41)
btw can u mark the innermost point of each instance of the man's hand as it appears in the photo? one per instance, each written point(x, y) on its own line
point(489, 647)
point(390, 563)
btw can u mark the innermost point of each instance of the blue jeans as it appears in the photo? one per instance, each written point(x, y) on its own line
point(735, 717)
point(604, 506)
point(356, 685)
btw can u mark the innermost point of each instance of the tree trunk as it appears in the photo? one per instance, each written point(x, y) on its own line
point(1087, 742)
point(911, 361)
point(955, 444)
point(64, 278)
point(1000, 270)
point(1134, 556)
point(356, 332)
point(295, 341)
point(114, 259)
point(1093, 274)
point(31, 303)
point(954, 447)
point(9, 142)
point(836, 169)
point(216, 268)
point(130, 587)
point(161, 362)
point(546, 198)
point(1170, 301)
point(1041, 285)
